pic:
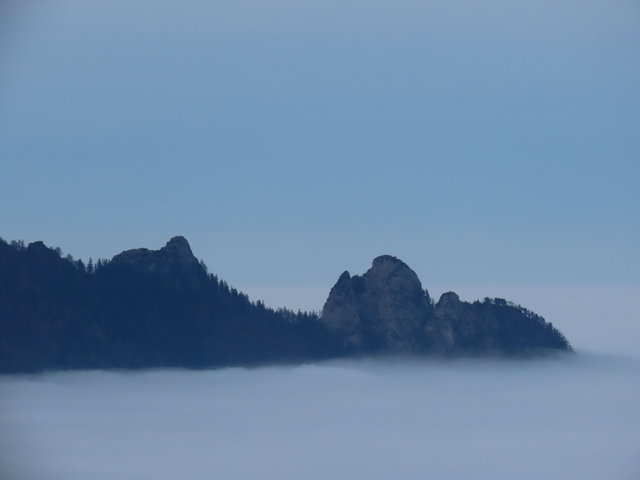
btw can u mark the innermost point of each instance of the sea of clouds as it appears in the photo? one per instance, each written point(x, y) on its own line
point(574, 416)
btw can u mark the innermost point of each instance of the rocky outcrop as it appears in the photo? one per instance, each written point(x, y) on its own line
point(174, 265)
point(495, 325)
point(175, 256)
point(386, 310)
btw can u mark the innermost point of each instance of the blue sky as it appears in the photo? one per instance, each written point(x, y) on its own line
point(484, 144)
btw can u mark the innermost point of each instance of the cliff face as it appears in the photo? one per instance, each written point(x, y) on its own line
point(386, 310)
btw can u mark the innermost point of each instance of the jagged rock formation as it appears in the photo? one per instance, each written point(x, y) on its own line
point(175, 257)
point(386, 310)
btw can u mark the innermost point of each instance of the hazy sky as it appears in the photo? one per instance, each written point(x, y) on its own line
point(484, 143)
point(573, 418)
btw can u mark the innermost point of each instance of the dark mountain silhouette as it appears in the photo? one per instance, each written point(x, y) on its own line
point(158, 308)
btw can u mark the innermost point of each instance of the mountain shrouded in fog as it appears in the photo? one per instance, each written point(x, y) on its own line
point(153, 308)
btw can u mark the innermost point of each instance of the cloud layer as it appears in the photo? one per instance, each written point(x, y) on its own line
point(565, 418)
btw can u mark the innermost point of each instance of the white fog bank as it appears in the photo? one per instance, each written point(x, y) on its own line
point(576, 417)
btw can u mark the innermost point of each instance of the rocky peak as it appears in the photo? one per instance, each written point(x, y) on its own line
point(386, 266)
point(381, 310)
point(176, 256)
point(389, 272)
point(388, 262)
point(179, 247)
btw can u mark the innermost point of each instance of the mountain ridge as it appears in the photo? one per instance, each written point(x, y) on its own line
point(159, 308)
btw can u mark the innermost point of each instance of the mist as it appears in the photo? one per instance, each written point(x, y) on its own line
point(573, 416)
